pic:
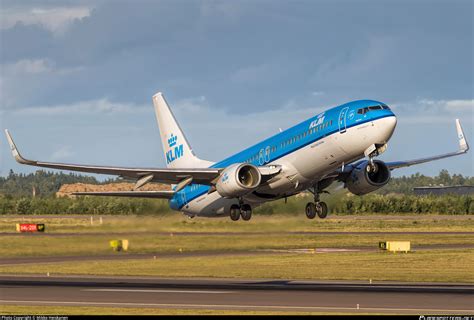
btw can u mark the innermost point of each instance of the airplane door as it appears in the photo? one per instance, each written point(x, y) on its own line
point(267, 154)
point(342, 120)
point(261, 157)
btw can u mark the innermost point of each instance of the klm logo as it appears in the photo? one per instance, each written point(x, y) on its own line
point(225, 177)
point(317, 122)
point(175, 151)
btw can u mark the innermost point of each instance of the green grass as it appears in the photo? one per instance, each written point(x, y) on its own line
point(54, 310)
point(37, 245)
point(275, 223)
point(436, 266)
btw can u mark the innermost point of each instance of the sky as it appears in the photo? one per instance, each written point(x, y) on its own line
point(77, 77)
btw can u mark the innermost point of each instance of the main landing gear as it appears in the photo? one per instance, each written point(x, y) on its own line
point(237, 211)
point(317, 207)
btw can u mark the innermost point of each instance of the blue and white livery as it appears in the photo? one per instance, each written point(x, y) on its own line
point(339, 144)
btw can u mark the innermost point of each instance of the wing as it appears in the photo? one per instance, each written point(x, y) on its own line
point(342, 173)
point(137, 194)
point(463, 148)
point(179, 176)
point(143, 175)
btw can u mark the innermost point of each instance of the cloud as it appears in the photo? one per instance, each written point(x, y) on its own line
point(35, 66)
point(435, 111)
point(460, 105)
point(254, 65)
point(28, 66)
point(57, 19)
point(83, 107)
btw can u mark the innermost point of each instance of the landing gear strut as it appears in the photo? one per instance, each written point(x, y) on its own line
point(372, 167)
point(243, 210)
point(317, 207)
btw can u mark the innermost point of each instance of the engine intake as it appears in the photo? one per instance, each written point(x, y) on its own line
point(364, 178)
point(238, 180)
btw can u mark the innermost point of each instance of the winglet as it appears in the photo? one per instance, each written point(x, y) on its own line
point(15, 152)
point(463, 146)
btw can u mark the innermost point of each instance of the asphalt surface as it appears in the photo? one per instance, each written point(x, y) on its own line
point(231, 294)
point(217, 253)
point(314, 233)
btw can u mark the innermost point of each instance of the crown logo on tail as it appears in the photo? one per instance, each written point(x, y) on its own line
point(172, 140)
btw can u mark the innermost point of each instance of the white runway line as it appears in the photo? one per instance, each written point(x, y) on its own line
point(232, 306)
point(158, 291)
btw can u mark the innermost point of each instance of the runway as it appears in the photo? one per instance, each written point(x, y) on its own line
point(231, 294)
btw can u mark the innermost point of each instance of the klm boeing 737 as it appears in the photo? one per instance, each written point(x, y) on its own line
point(339, 144)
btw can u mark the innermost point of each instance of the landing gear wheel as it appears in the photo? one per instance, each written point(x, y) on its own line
point(310, 210)
point(322, 209)
point(234, 212)
point(246, 212)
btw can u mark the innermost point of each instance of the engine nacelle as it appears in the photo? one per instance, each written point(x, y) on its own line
point(364, 179)
point(238, 180)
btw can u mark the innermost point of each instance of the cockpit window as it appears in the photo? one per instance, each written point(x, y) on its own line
point(375, 108)
point(367, 109)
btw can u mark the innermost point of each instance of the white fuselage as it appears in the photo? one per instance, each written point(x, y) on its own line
point(305, 166)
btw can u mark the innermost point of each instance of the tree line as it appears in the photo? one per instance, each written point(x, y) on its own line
point(396, 197)
point(347, 204)
point(48, 183)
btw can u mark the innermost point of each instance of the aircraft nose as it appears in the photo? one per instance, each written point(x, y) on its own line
point(390, 124)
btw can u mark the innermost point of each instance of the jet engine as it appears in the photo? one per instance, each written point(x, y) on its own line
point(238, 180)
point(365, 178)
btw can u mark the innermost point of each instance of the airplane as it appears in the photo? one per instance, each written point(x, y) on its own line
point(337, 145)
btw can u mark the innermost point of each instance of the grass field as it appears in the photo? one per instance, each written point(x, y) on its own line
point(156, 234)
point(436, 266)
point(276, 223)
point(261, 233)
point(30, 246)
point(49, 310)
